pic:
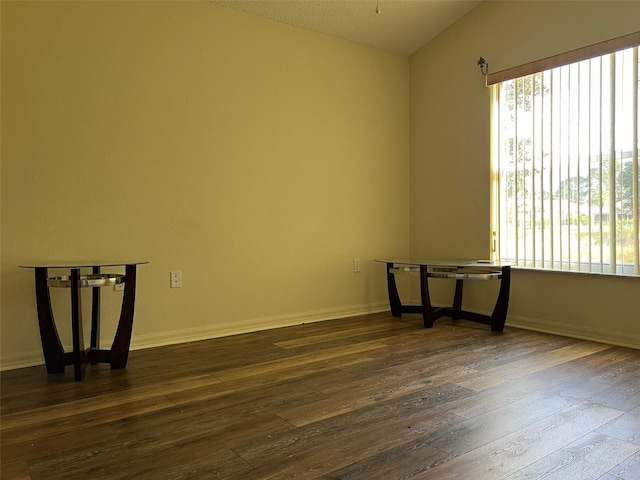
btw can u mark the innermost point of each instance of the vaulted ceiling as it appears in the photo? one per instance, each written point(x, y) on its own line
point(398, 26)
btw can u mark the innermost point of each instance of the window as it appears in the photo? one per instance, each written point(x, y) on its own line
point(565, 166)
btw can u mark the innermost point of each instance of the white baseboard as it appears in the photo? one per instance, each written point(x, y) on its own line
point(611, 337)
point(21, 360)
point(139, 342)
point(252, 325)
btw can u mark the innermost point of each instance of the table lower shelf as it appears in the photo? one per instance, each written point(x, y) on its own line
point(92, 280)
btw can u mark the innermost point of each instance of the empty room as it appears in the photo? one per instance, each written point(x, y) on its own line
point(235, 234)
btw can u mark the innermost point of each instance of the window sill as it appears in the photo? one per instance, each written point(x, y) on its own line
point(576, 272)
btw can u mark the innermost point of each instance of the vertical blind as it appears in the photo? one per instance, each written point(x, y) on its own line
point(565, 166)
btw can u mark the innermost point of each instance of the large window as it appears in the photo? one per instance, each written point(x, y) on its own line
point(565, 166)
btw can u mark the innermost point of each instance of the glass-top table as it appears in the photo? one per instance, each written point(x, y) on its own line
point(458, 270)
point(54, 355)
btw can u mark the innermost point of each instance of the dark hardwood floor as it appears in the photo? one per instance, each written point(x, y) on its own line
point(369, 397)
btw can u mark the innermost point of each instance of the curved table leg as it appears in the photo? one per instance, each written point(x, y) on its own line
point(79, 353)
point(51, 346)
point(95, 317)
point(457, 300)
point(120, 347)
point(428, 316)
point(392, 289)
point(499, 315)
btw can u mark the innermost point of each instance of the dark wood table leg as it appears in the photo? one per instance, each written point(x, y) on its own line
point(457, 300)
point(95, 317)
point(79, 353)
point(51, 347)
point(392, 288)
point(428, 315)
point(120, 347)
point(499, 315)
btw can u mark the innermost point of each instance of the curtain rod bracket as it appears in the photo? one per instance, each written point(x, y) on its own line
point(484, 66)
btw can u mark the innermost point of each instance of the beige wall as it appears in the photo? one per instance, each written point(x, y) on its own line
point(450, 158)
point(257, 158)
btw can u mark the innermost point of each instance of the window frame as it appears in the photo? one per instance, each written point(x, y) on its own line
point(592, 51)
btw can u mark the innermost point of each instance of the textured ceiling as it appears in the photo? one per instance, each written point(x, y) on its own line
point(402, 26)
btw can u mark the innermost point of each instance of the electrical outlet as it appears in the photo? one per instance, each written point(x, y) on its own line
point(356, 265)
point(176, 279)
point(119, 287)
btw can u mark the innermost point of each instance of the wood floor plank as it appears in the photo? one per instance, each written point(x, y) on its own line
point(511, 453)
point(43, 445)
point(129, 459)
point(322, 447)
point(628, 469)
point(314, 376)
point(626, 427)
point(289, 362)
point(588, 458)
point(624, 396)
point(246, 410)
point(15, 470)
point(529, 365)
point(620, 372)
point(71, 422)
point(495, 354)
point(567, 381)
point(221, 430)
point(89, 404)
point(362, 396)
point(406, 461)
point(431, 366)
point(350, 334)
point(480, 430)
